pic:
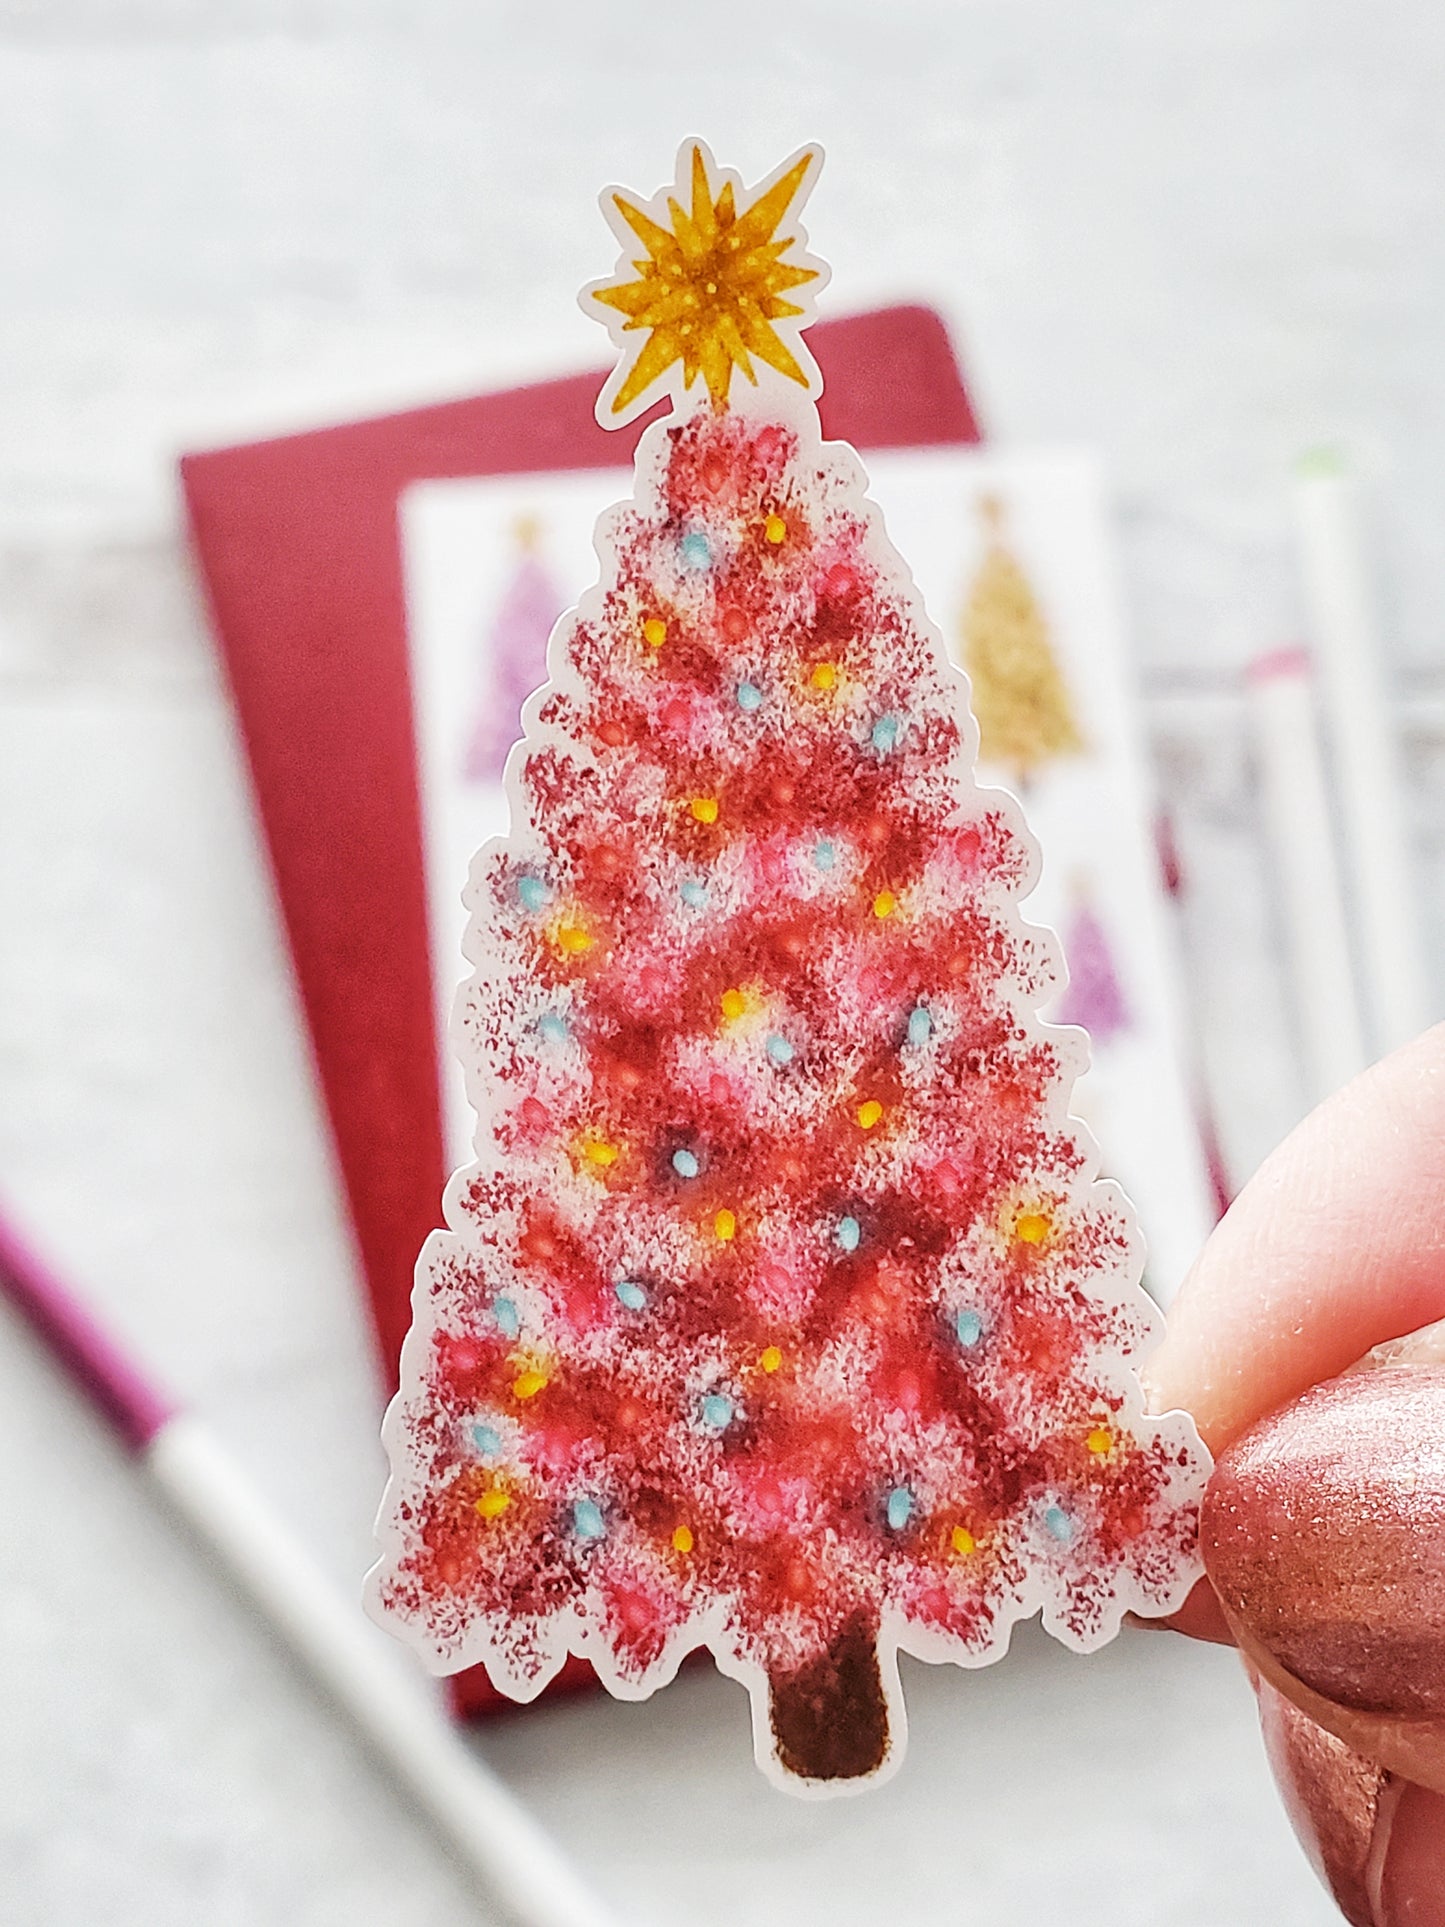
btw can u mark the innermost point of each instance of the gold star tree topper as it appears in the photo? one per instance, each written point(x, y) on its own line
point(709, 295)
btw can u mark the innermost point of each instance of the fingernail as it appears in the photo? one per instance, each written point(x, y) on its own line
point(1332, 1797)
point(1410, 1884)
point(1376, 1841)
point(1423, 1347)
point(1323, 1531)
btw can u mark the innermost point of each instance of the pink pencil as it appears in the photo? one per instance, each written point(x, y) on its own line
point(490, 1832)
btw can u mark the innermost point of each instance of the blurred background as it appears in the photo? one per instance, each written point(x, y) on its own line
point(1200, 244)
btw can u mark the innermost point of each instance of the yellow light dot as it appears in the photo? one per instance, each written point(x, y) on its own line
point(1032, 1227)
point(869, 1113)
point(704, 808)
point(1101, 1440)
point(824, 676)
point(771, 1359)
point(682, 1540)
point(775, 529)
point(962, 1541)
point(573, 939)
point(733, 1005)
point(725, 1225)
point(597, 1151)
point(654, 632)
point(493, 1504)
point(528, 1384)
point(884, 904)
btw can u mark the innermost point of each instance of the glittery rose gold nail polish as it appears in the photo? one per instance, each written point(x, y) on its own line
point(1376, 1841)
point(1407, 1858)
point(1323, 1530)
point(1332, 1797)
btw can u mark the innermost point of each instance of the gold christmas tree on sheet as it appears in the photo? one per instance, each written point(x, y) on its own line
point(1025, 716)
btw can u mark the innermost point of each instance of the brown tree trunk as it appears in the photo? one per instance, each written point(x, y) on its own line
point(830, 1718)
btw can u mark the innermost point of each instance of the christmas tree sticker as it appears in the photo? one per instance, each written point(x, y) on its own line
point(1025, 716)
point(515, 656)
point(779, 1313)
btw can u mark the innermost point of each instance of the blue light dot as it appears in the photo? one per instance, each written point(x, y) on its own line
point(696, 550)
point(750, 697)
point(534, 893)
point(885, 733)
point(505, 1313)
point(920, 1025)
point(1058, 1524)
point(685, 1163)
point(848, 1233)
point(717, 1411)
point(900, 1507)
point(487, 1439)
point(587, 1520)
point(779, 1049)
point(969, 1326)
point(693, 893)
point(825, 854)
point(553, 1026)
point(631, 1294)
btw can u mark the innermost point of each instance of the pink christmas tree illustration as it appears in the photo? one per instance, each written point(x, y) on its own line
point(515, 657)
point(1094, 997)
point(780, 1312)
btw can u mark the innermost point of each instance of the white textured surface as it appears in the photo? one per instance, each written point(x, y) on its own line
point(1200, 240)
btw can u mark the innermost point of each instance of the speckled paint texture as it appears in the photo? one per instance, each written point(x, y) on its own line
point(780, 1312)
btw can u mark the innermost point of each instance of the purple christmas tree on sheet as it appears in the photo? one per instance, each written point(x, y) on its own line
point(1095, 997)
point(515, 660)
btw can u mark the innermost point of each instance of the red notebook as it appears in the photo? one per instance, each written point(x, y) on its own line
point(299, 547)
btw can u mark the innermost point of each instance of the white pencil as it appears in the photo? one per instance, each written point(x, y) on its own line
point(1297, 824)
point(489, 1830)
point(1347, 649)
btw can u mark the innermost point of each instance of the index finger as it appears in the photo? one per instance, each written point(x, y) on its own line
point(1336, 1244)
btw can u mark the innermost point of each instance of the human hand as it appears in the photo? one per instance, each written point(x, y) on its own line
point(1306, 1344)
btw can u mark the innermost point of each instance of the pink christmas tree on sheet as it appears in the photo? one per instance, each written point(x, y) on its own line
point(780, 1312)
point(1094, 998)
point(515, 658)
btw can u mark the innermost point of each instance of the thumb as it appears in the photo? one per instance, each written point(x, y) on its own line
point(1323, 1533)
point(1376, 1841)
point(1324, 1536)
